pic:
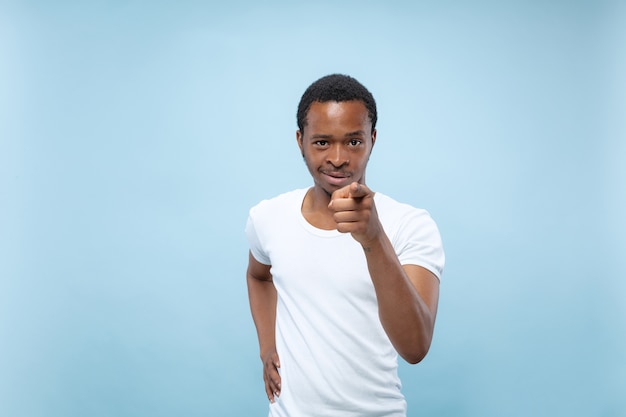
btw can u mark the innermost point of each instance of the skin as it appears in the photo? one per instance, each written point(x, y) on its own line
point(336, 144)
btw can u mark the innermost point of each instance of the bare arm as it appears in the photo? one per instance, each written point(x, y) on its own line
point(407, 295)
point(262, 296)
point(407, 300)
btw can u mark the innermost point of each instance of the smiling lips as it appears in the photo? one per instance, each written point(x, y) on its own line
point(336, 177)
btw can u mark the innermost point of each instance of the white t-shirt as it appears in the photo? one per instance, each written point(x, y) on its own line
point(336, 359)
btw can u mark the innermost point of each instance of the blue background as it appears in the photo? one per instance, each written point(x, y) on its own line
point(135, 135)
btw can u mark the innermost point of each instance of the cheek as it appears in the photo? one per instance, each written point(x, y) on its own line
point(308, 162)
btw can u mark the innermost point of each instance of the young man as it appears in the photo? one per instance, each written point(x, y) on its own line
point(340, 279)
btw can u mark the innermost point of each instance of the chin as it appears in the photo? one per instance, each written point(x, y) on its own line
point(327, 188)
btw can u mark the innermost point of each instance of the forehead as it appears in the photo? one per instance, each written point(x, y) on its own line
point(333, 113)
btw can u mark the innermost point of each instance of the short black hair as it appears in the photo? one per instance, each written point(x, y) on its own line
point(336, 87)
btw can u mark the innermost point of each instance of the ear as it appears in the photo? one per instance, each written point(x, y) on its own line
point(373, 139)
point(299, 140)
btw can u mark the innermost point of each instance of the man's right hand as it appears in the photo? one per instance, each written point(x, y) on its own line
point(271, 363)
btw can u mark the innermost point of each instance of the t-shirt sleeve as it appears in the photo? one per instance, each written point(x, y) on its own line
point(255, 243)
point(419, 242)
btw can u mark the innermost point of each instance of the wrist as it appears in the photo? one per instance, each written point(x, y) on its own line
point(264, 353)
point(373, 244)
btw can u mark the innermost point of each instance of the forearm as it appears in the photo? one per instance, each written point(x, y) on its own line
point(407, 296)
point(404, 314)
point(262, 296)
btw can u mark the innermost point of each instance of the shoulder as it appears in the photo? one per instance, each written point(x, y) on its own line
point(413, 234)
point(392, 209)
point(401, 219)
point(279, 203)
point(269, 218)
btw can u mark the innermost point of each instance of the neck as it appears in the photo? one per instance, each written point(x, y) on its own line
point(315, 209)
point(318, 199)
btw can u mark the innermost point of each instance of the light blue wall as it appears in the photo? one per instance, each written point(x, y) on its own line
point(134, 136)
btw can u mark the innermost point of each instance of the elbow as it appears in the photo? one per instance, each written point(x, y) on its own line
point(413, 359)
point(416, 354)
point(413, 344)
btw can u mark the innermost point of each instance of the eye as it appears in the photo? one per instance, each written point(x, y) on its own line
point(355, 142)
point(321, 142)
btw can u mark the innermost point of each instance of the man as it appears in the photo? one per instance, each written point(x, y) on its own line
point(340, 279)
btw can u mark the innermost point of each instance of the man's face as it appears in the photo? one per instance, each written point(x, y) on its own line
point(336, 143)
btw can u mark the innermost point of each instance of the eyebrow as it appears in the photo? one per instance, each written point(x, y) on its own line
point(356, 133)
point(321, 136)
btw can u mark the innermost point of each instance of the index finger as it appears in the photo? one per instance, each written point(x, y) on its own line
point(354, 190)
point(358, 190)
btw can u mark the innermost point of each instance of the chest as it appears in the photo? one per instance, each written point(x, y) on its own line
point(309, 266)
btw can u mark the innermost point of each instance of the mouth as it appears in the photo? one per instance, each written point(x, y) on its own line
point(336, 178)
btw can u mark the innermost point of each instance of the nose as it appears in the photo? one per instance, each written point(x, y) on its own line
point(338, 156)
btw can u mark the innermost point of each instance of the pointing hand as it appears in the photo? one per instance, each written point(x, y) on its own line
point(355, 212)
